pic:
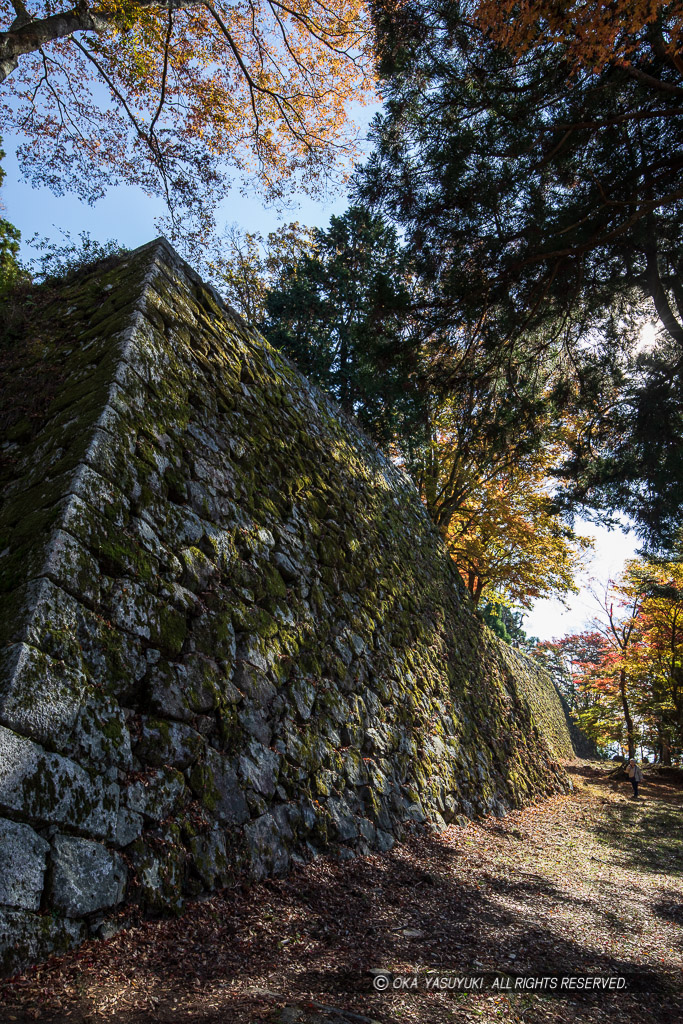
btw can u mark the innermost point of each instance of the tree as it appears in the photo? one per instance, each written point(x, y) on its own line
point(577, 665)
point(341, 313)
point(510, 545)
point(165, 93)
point(504, 534)
point(591, 33)
point(247, 265)
point(619, 630)
point(625, 677)
point(656, 658)
point(494, 432)
point(507, 624)
point(542, 199)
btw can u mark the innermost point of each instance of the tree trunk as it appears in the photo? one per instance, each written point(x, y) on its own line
point(627, 714)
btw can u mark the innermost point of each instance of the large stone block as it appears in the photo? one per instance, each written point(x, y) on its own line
point(157, 794)
point(51, 789)
point(39, 696)
point(26, 937)
point(210, 858)
point(22, 865)
point(216, 785)
point(266, 850)
point(85, 876)
point(169, 743)
point(159, 860)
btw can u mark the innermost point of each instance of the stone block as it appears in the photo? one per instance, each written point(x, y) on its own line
point(210, 858)
point(22, 865)
point(343, 822)
point(85, 876)
point(70, 565)
point(101, 733)
point(26, 937)
point(39, 696)
point(51, 789)
point(128, 826)
point(168, 743)
point(266, 852)
point(215, 783)
point(157, 795)
point(159, 861)
point(259, 768)
point(200, 679)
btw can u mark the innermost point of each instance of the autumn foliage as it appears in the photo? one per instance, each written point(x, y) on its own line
point(167, 95)
point(624, 677)
point(592, 33)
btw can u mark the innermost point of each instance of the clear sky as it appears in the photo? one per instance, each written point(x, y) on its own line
point(128, 216)
point(553, 619)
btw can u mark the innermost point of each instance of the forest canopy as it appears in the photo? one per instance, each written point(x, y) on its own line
point(480, 306)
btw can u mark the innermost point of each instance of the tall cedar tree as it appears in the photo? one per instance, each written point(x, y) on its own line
point(340, 314)
point(538, 196)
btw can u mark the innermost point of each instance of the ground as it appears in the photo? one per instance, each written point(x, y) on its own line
point(589, 883)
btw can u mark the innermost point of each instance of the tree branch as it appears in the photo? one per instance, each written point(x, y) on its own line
point(30, 36)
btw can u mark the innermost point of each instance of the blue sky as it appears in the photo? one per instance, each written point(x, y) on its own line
point(128, 216)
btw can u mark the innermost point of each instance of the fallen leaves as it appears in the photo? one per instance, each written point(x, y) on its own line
point(576, 883)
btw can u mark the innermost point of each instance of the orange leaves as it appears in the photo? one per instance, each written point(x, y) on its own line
point(169, 97)
point(502, 533)
point(591, 33)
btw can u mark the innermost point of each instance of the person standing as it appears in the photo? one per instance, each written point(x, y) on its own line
point(635, 775)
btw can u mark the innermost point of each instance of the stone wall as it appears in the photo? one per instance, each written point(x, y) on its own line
point(231, 637)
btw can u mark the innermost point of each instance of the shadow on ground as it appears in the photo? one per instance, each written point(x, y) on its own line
point(435, 902)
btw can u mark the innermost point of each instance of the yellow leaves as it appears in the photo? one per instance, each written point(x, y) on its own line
point(261, 85)
point(508, 544)
point(492, 504)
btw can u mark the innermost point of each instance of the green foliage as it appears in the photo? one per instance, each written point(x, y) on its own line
point(541, 209)
point(10, 268)
point(11, 271)
point(341, 313)
point(247, 265)
point(507, 624)
point(71, 257)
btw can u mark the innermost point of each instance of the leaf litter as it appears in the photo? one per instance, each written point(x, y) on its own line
point(588, 883)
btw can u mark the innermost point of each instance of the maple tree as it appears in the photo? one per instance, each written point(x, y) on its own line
point(580, 667)
point(247, 266)
point(626, 673)
point(656, 659)
point(510, 545)
point(592, 33)
point(493, 506)
point(165, 95)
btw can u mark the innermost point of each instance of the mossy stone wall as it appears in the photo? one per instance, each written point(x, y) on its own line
point(231, 637)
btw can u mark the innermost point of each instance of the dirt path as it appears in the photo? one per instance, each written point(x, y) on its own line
point(590, 883)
